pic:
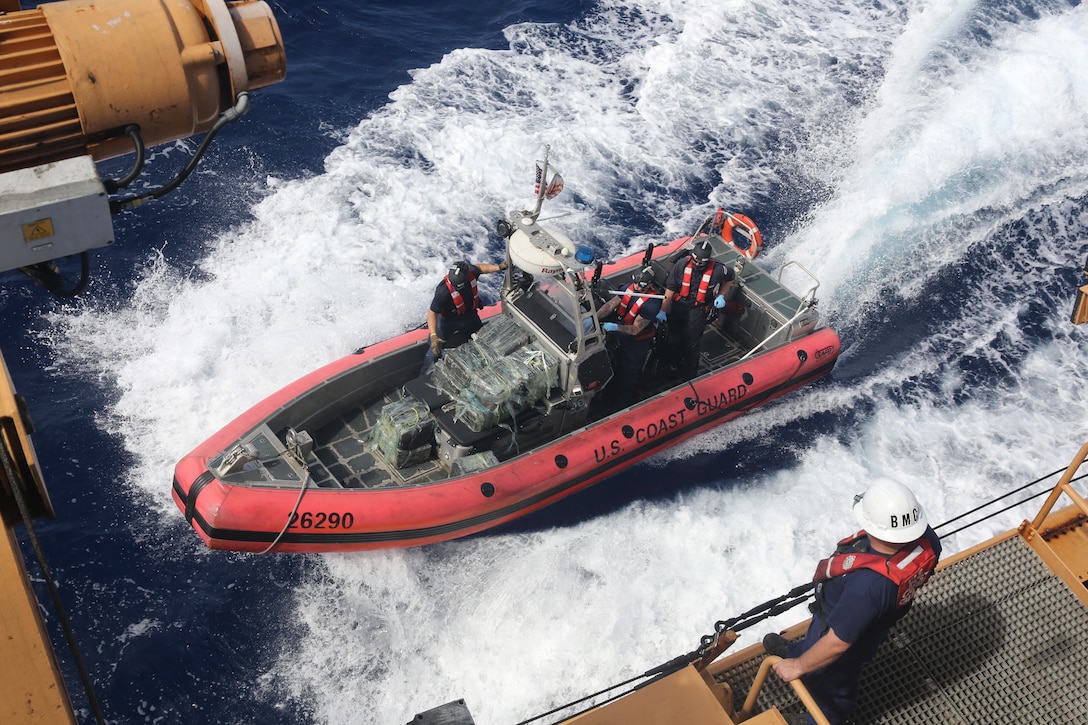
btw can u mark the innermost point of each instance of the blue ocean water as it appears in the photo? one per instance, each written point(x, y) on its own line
point(926, 161)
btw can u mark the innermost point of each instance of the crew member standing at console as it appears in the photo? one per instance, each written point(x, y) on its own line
point(692, 286)
point(635, 311)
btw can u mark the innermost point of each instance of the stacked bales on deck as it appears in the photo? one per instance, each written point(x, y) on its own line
point(495, 376)
point(457, 367)
point(506, 388)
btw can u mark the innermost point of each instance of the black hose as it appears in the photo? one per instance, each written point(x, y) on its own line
point(133, 131)
point(241, 107)
point(46, 274)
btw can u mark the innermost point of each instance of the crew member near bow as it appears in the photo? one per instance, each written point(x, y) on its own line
point(454, 312)
point(692, 286)
point(863, 589)
point(635, 313)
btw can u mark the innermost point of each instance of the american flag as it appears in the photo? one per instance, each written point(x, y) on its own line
point(554, 187)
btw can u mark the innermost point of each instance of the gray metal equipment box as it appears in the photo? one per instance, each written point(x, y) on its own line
point(50, 211)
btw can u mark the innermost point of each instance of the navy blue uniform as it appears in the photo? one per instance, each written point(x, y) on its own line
point(453, 327)
point(449, 321)
point(687, 315)
point(861, 608)
point(633, 350)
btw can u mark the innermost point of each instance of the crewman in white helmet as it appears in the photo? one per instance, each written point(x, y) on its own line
point(862, 590)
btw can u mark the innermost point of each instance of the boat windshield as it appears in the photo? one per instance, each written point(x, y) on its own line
point(560, 297)
point(550, 305)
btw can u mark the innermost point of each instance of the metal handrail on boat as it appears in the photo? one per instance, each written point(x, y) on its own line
point(1063, 486)
point(807, 301)
point(809, 297)
point(778, 331)
point(798, 687)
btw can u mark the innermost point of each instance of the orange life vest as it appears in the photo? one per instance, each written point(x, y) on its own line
point(704, 281)
point(627, 311)
point(909, 568)
point(459, 299)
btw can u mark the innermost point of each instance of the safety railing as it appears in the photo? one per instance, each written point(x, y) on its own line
point(809, 297)
point(1064, 486)
point(798, 687)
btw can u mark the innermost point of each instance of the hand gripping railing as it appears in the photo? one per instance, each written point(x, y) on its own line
point(1063, 486)
point(798, 687)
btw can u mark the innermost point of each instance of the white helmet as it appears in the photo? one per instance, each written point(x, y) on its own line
point(889, 511)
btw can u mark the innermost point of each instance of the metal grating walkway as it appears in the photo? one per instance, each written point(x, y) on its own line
point(995, 638)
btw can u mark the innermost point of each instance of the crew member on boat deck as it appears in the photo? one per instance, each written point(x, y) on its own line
point(635, 313)
point(692, 286)
point(453, 315)
point(862, 590)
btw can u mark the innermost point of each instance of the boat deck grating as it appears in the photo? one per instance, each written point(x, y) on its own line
point(344, 457)
point(995, 638)
point(717, 349)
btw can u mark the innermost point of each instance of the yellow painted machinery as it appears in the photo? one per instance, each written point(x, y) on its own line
point(82, 81)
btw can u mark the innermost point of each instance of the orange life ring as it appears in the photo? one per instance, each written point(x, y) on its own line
point(750, 242)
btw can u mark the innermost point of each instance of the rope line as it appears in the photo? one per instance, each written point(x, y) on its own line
point(1011, 506)
point(47, 574)
point(290, 517)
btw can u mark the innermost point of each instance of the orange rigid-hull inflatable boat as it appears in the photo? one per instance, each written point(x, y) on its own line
point(368, 453)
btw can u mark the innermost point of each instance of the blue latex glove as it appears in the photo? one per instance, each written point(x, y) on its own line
point(719, 301)
point(661, 316)
point(610, 327)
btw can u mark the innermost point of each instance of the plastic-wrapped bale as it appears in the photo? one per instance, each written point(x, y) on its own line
point(404, 434)
point(502, 334)
point(506, 388)
point(473, 463)
point(473, 413)
point(456, 368)
point(543, 371)
point(452, 371)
